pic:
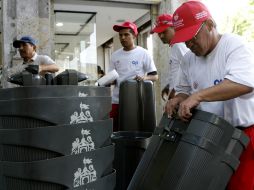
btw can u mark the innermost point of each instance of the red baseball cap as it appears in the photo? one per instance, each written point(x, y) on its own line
point(187, 19)
point(126, 24)
point(162, 23)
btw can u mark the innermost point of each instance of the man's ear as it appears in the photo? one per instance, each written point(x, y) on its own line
point(210, 24)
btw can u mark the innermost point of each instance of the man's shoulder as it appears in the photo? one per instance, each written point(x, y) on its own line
point(230, 42)
point(43, 56)
point(45, 59)
point(180, 46)
point(118, 51)
point(180, 49)
point(142, 51)
point(232, 38)
point(139, 48)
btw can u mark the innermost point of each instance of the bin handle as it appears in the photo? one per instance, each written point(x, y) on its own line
point(140, 89)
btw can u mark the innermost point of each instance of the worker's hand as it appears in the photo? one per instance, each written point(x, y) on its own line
point(112, 83)
point(140, 78)
point(34, 69)
point(42, 71)
point(165, 92)
point(48, 68)
point(185, 107)
point(172, 106)
point(171, 94)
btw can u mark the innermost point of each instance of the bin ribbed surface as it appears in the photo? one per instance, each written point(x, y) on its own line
point(69, 171)
point(52, 91)
point(56, 138)
point(53, 111)
point(130, 146)
point(198, 155)
point(33, 144)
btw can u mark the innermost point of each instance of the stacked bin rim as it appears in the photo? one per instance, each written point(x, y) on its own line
point(61, 94)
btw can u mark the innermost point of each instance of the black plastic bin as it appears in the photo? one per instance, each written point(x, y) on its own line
point(136, 106)
point(198, 155)
point(43, 91)
point(73, 171)
point(56, 138)
point(39, 112)
point(129, 149)
point(33, 144)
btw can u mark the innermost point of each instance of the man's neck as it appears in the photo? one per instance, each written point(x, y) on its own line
point(215, 40)
point(29, 59)
point(129, 48)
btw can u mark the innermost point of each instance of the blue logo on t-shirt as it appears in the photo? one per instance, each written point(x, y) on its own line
point(217, 81)
point(134, 62)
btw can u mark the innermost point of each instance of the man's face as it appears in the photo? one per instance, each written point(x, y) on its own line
point(201, 43)
point(167, 35)
point(26, 50)
point(126, 38)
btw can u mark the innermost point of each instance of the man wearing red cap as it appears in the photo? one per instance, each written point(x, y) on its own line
point(130, 62)
point(164, 28)
point(217, 76)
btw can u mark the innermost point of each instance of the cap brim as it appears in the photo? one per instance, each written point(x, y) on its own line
point(159, 29)
point(185, 34)
point(117, 28)
point(16, 43)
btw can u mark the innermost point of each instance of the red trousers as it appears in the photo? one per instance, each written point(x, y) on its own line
point(114, 114)
point(243, 178)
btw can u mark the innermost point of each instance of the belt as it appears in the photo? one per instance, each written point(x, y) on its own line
point(243, 128)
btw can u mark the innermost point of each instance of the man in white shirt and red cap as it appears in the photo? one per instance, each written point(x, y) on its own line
point(217, 76)
point(130, 62)
point(164, 28)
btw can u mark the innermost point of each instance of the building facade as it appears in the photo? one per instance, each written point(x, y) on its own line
point(78, 34)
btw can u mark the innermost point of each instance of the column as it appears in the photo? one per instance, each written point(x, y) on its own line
point(161, 52)
point(24, 17)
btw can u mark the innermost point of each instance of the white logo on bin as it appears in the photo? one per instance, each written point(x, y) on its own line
point(83, 117)
point(85, 144)
point(87, 175)
point(81, 94)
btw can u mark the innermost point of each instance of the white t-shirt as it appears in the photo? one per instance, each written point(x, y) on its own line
point(177, 52)
point(40, 59)
point(231, 59)
point(128, 64)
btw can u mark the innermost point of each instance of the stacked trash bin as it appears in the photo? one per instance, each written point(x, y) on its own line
point(56, 138)
point(136, 123)
point(201, 154)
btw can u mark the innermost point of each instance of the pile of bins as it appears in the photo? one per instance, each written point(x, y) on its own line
point(136, 124)
point(56, 138)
